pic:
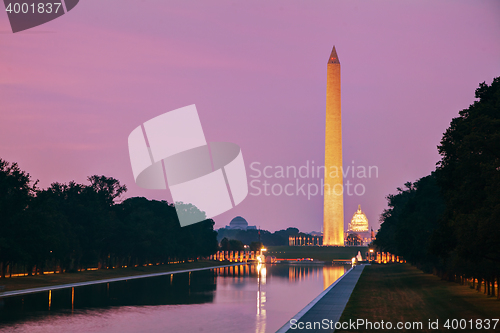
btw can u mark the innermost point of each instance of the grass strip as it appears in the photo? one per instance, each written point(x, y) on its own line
point(27, 282)
point(402, 293)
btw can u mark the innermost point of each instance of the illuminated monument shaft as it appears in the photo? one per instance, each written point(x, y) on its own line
point(333, 220)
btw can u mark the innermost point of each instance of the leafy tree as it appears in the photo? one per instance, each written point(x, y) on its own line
point(236, 245)
point(107, 187)
point(279, 237)
point(469, 175)
point(354, 239)
point(410, 221)
point(224, 244)
point(16, 192)
point(256, 246)
point(75, 226)
point(448, 221)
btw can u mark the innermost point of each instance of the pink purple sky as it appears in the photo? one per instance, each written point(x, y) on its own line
point(73, 89)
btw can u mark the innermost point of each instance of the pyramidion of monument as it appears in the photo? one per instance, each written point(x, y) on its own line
point(334, 58)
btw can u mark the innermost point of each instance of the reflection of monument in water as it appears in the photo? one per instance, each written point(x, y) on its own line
point(333, 218)
point(303, 272)
point(331, 274)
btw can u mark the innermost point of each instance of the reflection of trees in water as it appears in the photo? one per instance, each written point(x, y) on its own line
point(182, 288)
point(288, 272)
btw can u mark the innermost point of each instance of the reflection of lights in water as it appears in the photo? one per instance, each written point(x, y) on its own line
point(261, 300)
point(50, 298)
point(72, 298)
point(331, 274)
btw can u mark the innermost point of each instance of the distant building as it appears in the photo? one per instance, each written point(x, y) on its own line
point(358, 231)
point(359, 222)
point(305, 240)
point(239, 223)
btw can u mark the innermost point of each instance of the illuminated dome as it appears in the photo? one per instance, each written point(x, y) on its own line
point(359, 222)
point(238, 223)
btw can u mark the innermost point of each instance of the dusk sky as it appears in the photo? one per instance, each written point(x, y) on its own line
point(73, 89)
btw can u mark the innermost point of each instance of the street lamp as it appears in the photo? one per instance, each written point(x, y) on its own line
point(262, 257)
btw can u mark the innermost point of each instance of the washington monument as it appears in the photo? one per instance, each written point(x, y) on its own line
point(333, 220)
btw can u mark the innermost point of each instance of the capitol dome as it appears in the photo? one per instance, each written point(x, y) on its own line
point(238, 223)
point(359, 222)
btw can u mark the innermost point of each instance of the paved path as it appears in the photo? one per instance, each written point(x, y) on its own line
point(86, 283)
point(328, 305)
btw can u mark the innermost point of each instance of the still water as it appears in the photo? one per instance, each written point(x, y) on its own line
point(232, 299)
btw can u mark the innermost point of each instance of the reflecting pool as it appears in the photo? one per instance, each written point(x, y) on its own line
point(246, 298)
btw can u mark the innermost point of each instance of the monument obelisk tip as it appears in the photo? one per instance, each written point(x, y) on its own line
point(334, 59)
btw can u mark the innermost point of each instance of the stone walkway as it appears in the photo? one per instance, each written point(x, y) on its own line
point(327, 307)
point(86, 283)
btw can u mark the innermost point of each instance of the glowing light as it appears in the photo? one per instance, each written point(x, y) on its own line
point(359, 222)
point(20, 274)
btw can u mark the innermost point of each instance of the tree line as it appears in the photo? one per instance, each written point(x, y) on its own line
point(68, 227)
point(449, 221)
point(267, 238)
